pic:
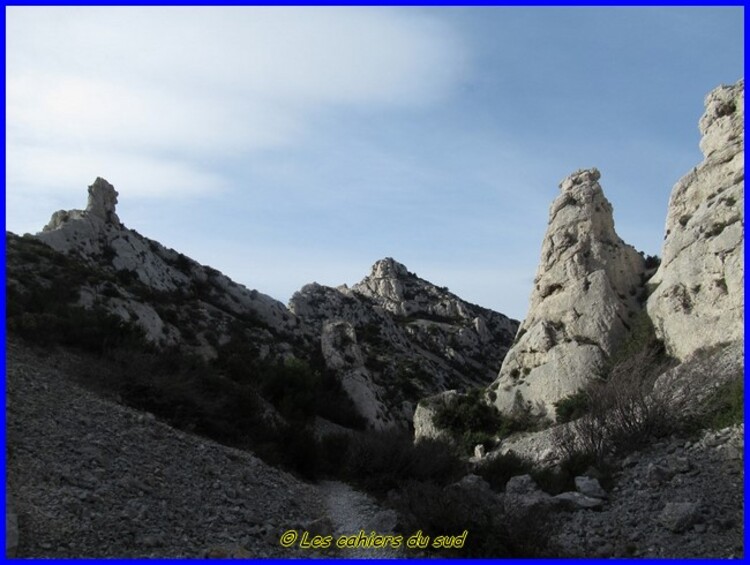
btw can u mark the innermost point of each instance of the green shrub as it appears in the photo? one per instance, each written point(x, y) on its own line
point(470, 420)
point(652, 261)
point(642, 337)
point(572, 406)
point(725, 406)
point(295, 387)
point(468, 414)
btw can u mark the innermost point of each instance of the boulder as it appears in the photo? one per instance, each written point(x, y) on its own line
point(677, 517)
point(590, 487)
point(523, 485)
point(578, 501)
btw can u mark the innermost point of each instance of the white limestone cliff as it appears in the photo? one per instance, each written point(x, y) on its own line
point(698, 291)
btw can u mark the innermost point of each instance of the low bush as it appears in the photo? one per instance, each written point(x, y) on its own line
point(499, 470)
point(379, 461)
point(725, 406)
point(572, 406)
point(623, 412)
point(469, 418)
point(492, 531)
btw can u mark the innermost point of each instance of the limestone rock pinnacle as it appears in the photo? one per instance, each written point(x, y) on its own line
point(586, 292)
point(697, 297)
point(102, 201)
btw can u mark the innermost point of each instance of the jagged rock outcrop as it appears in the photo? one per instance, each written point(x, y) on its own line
point(698, 290)
point(149, 279)
point(584, 299)
point(413, 339)
point(100, 209)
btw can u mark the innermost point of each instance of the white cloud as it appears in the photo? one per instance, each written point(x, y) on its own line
point(301, 55)
point(36, 169)
point(113, 88)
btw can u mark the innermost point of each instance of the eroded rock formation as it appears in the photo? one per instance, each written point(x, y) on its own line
point(698, 290)
point(584, 299)
point(402, 339)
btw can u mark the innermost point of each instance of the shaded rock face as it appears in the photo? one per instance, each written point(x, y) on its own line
point(414, 339)
point(697, 299)
point(585, 297)
point(338, 342)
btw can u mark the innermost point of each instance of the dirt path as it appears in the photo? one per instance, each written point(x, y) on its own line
point(351, 511)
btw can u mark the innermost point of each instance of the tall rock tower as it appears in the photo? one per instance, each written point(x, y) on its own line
point(584, 299)
point(697, 299)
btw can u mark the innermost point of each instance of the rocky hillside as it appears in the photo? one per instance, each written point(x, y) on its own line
point(584, 301)
point(90, 478)
point(394, 338)
point(174, 299)
point(389, 341)
point(697, 297)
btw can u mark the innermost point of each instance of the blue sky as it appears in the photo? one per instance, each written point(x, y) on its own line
point(290, 145)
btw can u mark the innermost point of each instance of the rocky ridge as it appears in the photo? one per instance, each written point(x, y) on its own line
point(697, 297)
point(152, 283)
point(390, 340)
point(395, 338)
point(585, 298)
point(677, 497)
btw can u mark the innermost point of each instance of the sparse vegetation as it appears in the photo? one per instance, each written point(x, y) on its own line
point(470, 420)
point(642, 337)
point(622, 413)
point(572, 406)
point(499, 470)
point(652, 261)
point(492, 529)
point(724, 407)
point(382, 461)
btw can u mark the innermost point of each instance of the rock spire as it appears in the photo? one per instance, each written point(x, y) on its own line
point(584, 298)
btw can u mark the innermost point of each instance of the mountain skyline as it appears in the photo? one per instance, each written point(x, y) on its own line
point(283, 146)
